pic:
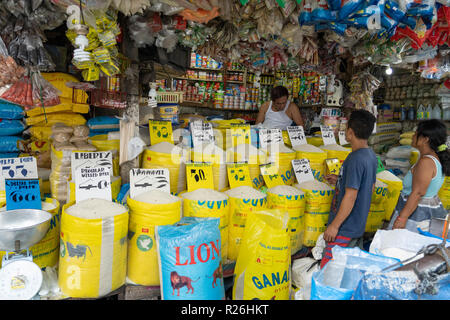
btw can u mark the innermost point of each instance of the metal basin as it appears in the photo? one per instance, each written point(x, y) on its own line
point(22, 228)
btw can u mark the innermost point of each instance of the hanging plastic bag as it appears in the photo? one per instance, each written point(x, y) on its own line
point(44, 93)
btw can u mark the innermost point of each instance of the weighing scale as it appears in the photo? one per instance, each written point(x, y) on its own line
point(20, 277)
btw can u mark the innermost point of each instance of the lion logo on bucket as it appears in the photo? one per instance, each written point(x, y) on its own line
point(144, 243)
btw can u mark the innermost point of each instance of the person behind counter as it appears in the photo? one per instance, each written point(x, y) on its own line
point(419, 201)
point(280, 112)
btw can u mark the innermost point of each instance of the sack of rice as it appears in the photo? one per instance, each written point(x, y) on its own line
point(190, 260)
point(93, 248)
point(148, 210)
point(318, 197)
point(116, 183)
point(336, 151)
point(316, 157)
point(444, 193)
point(262, 270)
point(167, 155)
point(46, 252)
point(209, 152)
point(282, 156)
point(243, 200)
point(377, 207)
point(394, 187)
point(291, 200)
point(253, 156)
point(207, 203)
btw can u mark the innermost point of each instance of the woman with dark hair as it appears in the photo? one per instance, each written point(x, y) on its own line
point(279, 113)
point(419, 201)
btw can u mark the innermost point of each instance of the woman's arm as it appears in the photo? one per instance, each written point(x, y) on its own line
point(295, 115)
point(262, 113)
point(422, 176)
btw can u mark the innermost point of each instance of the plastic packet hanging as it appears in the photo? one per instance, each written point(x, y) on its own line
point(305, 17)
point(44, 93)
point(321, 12)
point(348, 7)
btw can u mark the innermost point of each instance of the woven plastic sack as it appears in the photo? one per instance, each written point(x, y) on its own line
point(176, 163)
point(190, 260)
point(341, 155)
point(142, 263)
point(211, 209)
point(93, 255)
point(294, 205)
point(317, 209)
point(377, 208)
point(240, 210)
point(444, 193)
point(262, 270)
point(394, 189)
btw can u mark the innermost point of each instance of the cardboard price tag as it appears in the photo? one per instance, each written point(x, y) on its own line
point(333, 166)
point(90, 160)
point(302, 170)
point(198, 176)
point(238, 175)
point(269, 136)
point(160, 131)
point(143, 180)
point(240, 134)
point(342, 140)
point(327, 135)
point(93, 182)
point(17, 168)
point(270, 175)
point(296, 135)
point(22, 194)
point(201, 132)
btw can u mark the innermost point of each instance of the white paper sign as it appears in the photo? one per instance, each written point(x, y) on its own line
point(342, 140)
point(143, 180)
point(93, 182)
point(269, 136)
point(91, 160)
point(296, 135)
point(327, 135)
point(17, 168)
point(201, 132)
point(302, 170)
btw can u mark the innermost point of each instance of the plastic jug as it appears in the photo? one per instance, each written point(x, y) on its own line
point(420, 112)
point(411, 113)
point(429, 112)
point(437, 112)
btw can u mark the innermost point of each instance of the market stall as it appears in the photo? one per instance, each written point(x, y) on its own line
point(135, 164)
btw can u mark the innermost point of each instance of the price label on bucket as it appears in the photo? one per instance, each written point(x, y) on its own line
point(333, 166)
point(91, 159)
point(270, 136)
point(201, 132)
point(238, 175)
point(342, 140)
point(240, 134)
point(160, 131)
point(143, 180)
point(270, 175)
point(296, 135)
point(302, 170)
point(22, 194)
point(327, 135)
point(17, 168)
point(199, 176)
point(92, 182)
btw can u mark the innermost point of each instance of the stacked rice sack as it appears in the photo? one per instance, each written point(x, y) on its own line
point(103, 125)
point(401, 158)
point(282, 156)
point(67, 112)
point(387, 134)
point(316, 157)
point(11, 128)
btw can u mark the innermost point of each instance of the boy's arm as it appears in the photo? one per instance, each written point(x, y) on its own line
point(345, 208)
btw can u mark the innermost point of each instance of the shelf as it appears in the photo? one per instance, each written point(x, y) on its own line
point(193, 79)
point(208, 106)
point(205, 69)
point(235, 81)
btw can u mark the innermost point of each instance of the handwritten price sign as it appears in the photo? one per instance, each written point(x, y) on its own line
point(240, 134)
point(296, 135)
point(199, 176)
point(342, 140)
point(270, 175)
point(333, 166)
point(302, 170)
point(201, 132)
point(238, 175)
point(270, 136)
point(327, 135)
point(160, 131)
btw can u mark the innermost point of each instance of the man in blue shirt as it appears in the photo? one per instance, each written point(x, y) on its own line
point(354, 186)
